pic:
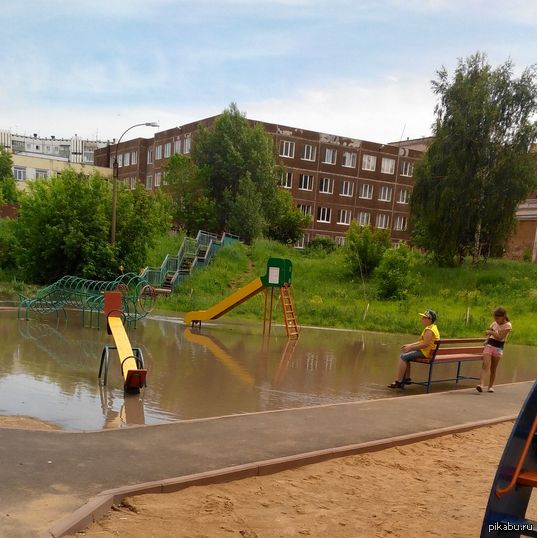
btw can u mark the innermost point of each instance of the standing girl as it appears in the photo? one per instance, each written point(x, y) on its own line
point(493, 349)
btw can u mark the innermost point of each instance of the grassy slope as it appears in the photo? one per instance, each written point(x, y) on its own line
point(327, 296)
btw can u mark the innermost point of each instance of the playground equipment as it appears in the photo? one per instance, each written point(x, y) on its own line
point(138, 297)
point(278, 275)
point(193, 254)
point(515, 479)
point(131, 359)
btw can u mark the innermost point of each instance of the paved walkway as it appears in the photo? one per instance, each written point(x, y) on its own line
point(50, 474)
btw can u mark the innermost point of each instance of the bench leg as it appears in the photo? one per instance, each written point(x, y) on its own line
point(458, 373)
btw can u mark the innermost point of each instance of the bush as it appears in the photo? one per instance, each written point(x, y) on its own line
point(393, 276)
point(365, 248)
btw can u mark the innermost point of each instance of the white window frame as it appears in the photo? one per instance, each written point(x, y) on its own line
point(167, 150)
point(287, 149)
point(120, 160)
point(309, 180)
point(19, 173)
point(403, 196)
point(407, 169)
point(41, 174)
point(303, 241)
point(150, 156)
point(329, 156)
point(133, 183)
point(177, 146)
point(363, 218)
point(286, 181)
point(384, 194)
point(340, 240)
point(366, 191)
point(305, 208)
point(324, 214)
point(349, 159)
point(346, 188)
point(326, 185)
point(134, 157)
point(382, 221)
point(157, 179)
point(158, 152)
point(308, 152)
point(187, 144)
point(369, 162)
point(400, 224)
point(149, 182)
point(344, 217)
point(387, 165)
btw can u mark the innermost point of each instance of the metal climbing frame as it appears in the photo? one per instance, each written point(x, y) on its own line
point(138, 298)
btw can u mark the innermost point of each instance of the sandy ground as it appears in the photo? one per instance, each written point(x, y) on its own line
point(438, 487)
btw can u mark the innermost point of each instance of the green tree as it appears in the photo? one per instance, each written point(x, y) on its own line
point(64, 228)
point(188, 186)
point(286, 222)
point(243, 178)
point(8, 186)
point(393, 277)
point(365, 248)
point(478, 167)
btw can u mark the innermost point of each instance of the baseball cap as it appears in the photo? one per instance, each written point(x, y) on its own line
point(430, 314)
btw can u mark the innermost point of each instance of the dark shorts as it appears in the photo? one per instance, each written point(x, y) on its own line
point(406, 357)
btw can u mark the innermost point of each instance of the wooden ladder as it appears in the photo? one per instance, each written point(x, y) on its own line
point(290, 320)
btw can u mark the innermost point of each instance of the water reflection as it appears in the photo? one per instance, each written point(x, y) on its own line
point(49, 368)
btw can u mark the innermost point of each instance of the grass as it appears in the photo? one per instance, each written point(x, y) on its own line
point(327, 296)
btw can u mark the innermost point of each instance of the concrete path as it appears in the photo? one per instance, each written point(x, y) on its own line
point(47, 475)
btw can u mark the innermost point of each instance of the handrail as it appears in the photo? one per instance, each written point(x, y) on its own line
point(500, 492)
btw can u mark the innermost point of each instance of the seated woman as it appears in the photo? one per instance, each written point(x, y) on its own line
point(422, 349)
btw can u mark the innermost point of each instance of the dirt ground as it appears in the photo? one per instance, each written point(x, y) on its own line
point(438, 487)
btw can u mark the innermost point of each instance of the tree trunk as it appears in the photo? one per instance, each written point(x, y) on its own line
point(476, 246)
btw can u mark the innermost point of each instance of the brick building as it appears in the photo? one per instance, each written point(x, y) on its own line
point(332, 178)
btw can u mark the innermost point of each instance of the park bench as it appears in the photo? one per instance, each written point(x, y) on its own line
point(449, 350)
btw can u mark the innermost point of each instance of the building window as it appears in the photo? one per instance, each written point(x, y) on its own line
point(400, 223)
point(340, 241)
point(41, 174)
point(346, 188)
point(158, 152)
point(150, 156)
point(126, 159)
point(19, 173)
point(366, 191)
point(363, 218)
point(134, 157)
point(368, 162)
point(167, 150)
point(403, 196)
point(329, 156)
point(382, 221)
point(387, 165)
point(149, 182)
point(187, 144)
point(324, 214)
point(120, 161)
point(308, 153)
point(306, 209)
point(326, 185)
point(306, 183)
point(407, 169)
point(385, 194)
point(157, 179)
point(344, 216)
point(349, 160)
point(177, 146)
point(303, 241)
point(287, 149)
point(286, 180)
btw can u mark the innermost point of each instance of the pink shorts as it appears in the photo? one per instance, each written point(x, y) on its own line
point(493, 351)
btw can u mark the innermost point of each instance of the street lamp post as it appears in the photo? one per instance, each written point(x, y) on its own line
point(115, 179)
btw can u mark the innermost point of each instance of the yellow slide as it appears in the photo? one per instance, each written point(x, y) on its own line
point(237, 298)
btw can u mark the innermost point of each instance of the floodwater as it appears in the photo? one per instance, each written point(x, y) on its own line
point(49, 370)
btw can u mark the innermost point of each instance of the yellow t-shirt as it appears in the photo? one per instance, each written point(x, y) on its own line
point(428, 351)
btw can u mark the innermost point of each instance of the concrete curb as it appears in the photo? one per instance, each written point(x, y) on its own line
point(102, 503)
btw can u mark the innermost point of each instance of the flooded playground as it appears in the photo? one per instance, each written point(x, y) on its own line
point(49, 370)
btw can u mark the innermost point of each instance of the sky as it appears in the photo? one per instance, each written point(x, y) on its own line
point(355, 68)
